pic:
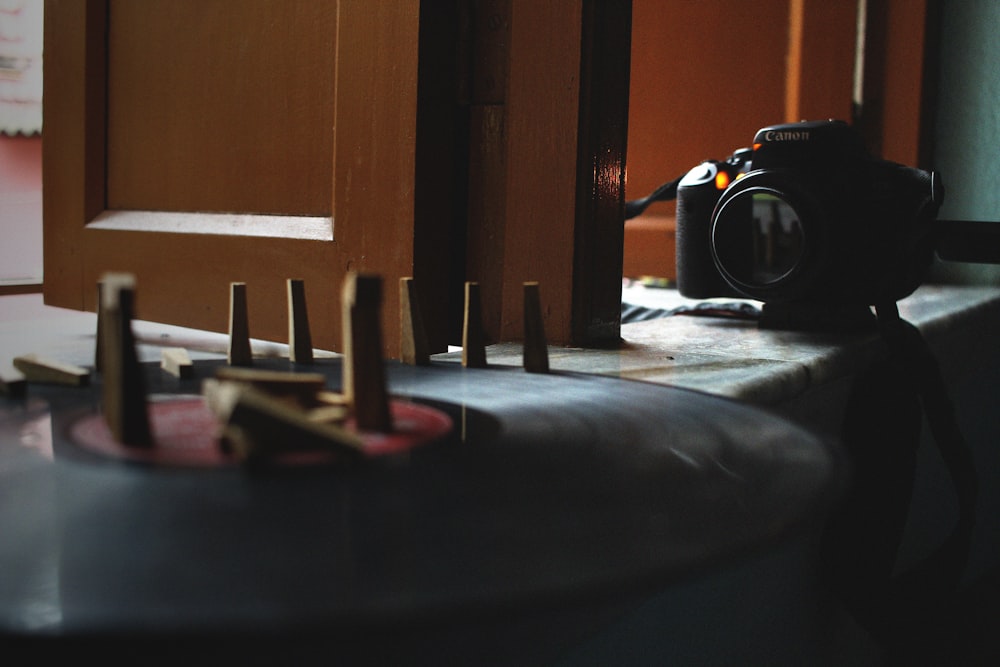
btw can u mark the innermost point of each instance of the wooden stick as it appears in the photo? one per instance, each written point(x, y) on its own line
point(536, 350)
point(240, 353)
point(124, 388)
point(300, 348)
point(413, 347)
point(364, 371)
point(177, 362)
point(44, 370)
point(473, 337)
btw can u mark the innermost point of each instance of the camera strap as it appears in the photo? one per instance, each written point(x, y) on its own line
point(881, 434)
point(665, 192)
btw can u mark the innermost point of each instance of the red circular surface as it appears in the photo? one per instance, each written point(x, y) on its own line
point(185, 433)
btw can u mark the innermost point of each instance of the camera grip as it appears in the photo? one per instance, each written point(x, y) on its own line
point(697, 275)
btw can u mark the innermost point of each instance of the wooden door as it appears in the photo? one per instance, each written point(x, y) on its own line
point(199, 142)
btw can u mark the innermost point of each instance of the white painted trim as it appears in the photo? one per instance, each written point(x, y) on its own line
point(228, 224)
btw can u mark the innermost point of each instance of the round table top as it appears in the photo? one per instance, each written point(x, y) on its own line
point(550, 487)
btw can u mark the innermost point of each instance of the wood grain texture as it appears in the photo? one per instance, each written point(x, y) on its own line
point(184, 276)
point(248, 87)
point(542, 106)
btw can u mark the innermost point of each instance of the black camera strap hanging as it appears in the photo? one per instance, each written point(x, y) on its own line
point(881, 432)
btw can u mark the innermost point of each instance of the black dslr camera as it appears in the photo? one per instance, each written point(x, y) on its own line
point(805, 216)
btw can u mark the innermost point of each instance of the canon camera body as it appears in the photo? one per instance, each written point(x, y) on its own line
point(806, 214)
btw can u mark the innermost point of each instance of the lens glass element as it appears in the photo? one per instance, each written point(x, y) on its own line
point(757, 238)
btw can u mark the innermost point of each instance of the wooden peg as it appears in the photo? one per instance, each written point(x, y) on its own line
point(12, 382)
point(536, 350)
point(98, 364)
point(364, 370)
point(240, 353)
point(123, 389)
point(300, 348)
point(413, 348)
point(45, 370)
point(473, 337)
point(177, 362)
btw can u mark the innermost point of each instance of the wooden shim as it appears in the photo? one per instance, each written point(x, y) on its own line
point(413, 347)
point(258, 426)
point(177, 362)
point(300, 349)
point(473, 337)
point(123, 388)
point(12, 382)
point(536, 350)
point(44, 370)
point(364, 370)
point(240, 353)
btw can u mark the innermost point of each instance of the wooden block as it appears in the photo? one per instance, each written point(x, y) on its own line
point(413, 347)
point(364, 369)
point(536, 349)
point(258, 426)
point(240, 353)
point(177, 362)
point(300, 348)
point(123, 388)
point(12, 382)
point(473, 336)
point(44, 370)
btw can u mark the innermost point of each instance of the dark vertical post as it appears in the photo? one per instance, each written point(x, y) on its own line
point(600, 202)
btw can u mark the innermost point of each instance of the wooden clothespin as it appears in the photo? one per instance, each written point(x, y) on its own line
point(536, 350)
point(300, 348)
point(258, 425)
point(364, 369)
point(45, 370)
point(240, 353)
point(413, 348)
point(124, 388)
point(473, 336)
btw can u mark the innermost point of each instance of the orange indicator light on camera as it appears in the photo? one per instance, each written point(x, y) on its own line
point(721, 180)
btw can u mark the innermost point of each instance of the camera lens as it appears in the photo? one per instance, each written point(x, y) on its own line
point(757, 238)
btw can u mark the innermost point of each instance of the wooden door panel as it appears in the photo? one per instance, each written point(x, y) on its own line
point(112, 190)
point(246, 87)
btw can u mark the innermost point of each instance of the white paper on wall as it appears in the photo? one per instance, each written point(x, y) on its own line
point(21, 30)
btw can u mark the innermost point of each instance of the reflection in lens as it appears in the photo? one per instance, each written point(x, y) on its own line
point(758, 238)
